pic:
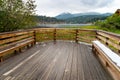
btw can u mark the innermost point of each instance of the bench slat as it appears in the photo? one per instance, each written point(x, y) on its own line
point(109, 59)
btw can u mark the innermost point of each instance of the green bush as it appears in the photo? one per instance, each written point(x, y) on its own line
point(16, 14)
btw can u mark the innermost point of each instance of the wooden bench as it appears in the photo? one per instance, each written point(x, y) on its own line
point(14, 41)
point(109, 59)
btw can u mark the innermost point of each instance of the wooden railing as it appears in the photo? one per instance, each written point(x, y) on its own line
point(76, 35)
point(13, 41)
point(108, 54)
point(110, 39)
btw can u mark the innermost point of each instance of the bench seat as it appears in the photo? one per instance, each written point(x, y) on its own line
point(15, 46)
point(109, 59)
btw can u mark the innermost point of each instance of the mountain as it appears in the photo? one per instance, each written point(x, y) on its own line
point(88, 13)
point(107, 14)
point(69, 15)
point(89, 17)
point(85, 19)
point(64, 16)
point(45, 19)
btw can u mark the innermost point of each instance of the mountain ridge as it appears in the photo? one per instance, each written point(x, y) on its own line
point(70, 15)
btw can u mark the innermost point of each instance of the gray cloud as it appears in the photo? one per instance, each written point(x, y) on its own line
point(96, 3)
point(54, 7)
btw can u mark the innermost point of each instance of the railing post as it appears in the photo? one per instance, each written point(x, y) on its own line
point(76, 36)
point(54, 35)
point(119, 49)
point(96, 34)
point(107, 41)
point(34, 36)
point(1, 59)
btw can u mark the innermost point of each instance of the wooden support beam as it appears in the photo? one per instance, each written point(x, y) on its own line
point(54, 35)
point(1, 59)
point(76, 36)
point(34, 36)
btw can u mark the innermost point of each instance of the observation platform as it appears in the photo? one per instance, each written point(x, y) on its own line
point(65, 60)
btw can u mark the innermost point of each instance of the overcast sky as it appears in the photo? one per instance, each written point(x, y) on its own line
point(55, 7)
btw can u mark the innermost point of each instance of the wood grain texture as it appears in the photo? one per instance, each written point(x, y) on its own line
point(113, 69)
point(61, 61)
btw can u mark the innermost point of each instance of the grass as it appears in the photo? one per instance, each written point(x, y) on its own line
point(65, 34)
point(100, 28)
point(69, 34)
point(97, 28)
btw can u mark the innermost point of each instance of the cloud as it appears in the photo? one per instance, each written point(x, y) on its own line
point(54, 7)
point(96, 3)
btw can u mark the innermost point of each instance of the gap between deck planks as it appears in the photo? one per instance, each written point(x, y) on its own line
point(61, 61)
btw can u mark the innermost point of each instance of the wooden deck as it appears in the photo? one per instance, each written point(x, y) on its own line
point(60, 61)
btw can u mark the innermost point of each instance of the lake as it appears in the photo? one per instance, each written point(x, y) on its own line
point(62, 25)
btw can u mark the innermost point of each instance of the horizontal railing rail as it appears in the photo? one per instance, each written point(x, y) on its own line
point(11, 42)
point(110, 39)
point(45, 34)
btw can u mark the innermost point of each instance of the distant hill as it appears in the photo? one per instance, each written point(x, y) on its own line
point(73, 18)
point(64, 16)
point(45, 19)
point(69, 15)
point(88, 13)
point(86, 19)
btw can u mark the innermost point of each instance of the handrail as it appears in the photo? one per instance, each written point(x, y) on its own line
point(110, 39)
point(65, 34)
point(11, 42)
point(45, 34)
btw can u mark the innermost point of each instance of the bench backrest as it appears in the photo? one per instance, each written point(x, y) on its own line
point(107, 48)
point(11, 41)
point(110, 39)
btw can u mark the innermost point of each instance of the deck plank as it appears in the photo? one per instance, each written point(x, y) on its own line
point(67, 71)
point(74, 63)
point(80, 66)
point(61, 61)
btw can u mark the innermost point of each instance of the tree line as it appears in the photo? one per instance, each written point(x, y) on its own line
point(86, 19)
point(45, 20)
point(16, 14)
point(112, 22)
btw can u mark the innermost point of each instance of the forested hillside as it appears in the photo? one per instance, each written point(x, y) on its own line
point(112, 22)
point(45, 20)
point(86, 19)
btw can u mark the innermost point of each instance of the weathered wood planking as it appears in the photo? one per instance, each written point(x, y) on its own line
point(12, 34)
point(113, 69)
point(109, 42)
point(12, 41)
point(109, 39)
point(109, 36)
point(61, 61)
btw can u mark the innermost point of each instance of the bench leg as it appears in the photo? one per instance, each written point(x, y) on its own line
point(1, 59)
point(32, 44)
point(15, 51)
point(93, 49)
point(20, 50)
point(119, 51)
point(28, 46)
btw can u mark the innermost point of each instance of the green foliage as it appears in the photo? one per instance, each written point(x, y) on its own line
point(44, 19)
point(86, 19)
point(16, 14)
point(112, 22)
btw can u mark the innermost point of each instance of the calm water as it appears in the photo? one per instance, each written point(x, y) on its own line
point(62, 25)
